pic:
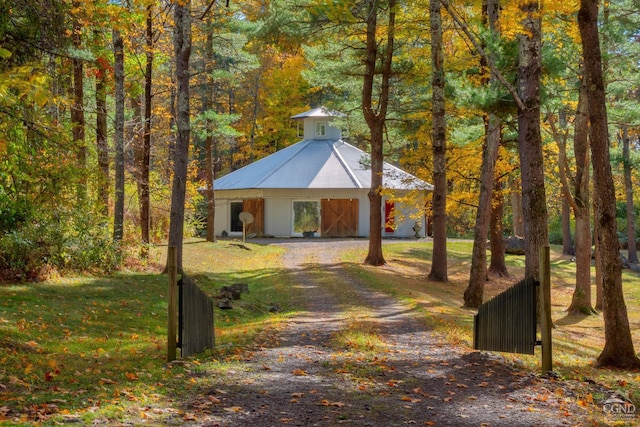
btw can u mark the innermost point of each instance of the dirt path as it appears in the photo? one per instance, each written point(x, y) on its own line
point(415, 378)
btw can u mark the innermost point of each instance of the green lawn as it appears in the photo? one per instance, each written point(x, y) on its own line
point(95, 347)
point(577, 339)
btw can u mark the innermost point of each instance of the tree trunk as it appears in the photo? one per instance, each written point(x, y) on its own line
point(118, 215)
point(102, 147)
point(498, 265)
point(77, 109)
point(598, 258)
point(145, 158)
point(618, 349)
point(632, 253)
point(375, 114)
point(581, 300)
point(478, 275)
point(567, 240)
point(207, 104)
point(182, 50)
point(534, 199)
point(473, 295)
point(516, 209)
point(438, 271)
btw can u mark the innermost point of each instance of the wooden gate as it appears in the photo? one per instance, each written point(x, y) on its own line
point(256, 208)
point(507, 322)
point(195, 318)
point(339, 218)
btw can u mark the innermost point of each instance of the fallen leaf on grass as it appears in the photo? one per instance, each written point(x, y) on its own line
point(299, 372)
point(297, 395)
point(325, 402)
point(233, 409)
point(410, 399)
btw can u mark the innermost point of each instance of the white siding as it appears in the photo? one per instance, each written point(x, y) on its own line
point(278, 209)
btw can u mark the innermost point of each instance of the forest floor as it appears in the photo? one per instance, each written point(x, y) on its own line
point(361, 357)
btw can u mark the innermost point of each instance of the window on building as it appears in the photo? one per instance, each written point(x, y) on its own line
point(321, 128)
point(306, 217)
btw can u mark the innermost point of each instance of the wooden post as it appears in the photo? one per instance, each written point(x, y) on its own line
point(172, 325)
point(545, 309)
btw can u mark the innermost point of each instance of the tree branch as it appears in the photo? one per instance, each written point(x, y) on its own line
point(476, 44)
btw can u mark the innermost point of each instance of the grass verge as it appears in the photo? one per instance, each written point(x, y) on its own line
point(577, 339)
point(93, 349)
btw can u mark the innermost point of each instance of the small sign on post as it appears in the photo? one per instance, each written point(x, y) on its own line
point(172, 310)
point(246, 219)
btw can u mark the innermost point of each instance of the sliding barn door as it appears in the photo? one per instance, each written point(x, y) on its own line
point(256, 208)
point(339, 217)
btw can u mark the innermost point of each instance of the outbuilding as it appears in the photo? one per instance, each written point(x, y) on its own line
point(317, 187)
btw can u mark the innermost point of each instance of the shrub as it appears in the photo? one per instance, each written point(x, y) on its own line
point(64, 243)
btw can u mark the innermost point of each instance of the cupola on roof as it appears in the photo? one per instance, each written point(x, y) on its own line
point(321, 160)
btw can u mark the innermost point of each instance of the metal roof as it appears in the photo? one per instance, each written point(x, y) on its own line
point(318, 112)
point(314, 163)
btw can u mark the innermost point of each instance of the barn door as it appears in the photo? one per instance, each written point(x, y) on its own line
point(339, 217)
point(256, 208)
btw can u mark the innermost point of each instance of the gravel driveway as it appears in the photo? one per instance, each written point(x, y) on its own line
point(302, 379)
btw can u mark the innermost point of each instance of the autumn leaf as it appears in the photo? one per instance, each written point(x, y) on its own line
point(297, 395)
point(233, 409)
point(410, 399)
point(299, 372)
